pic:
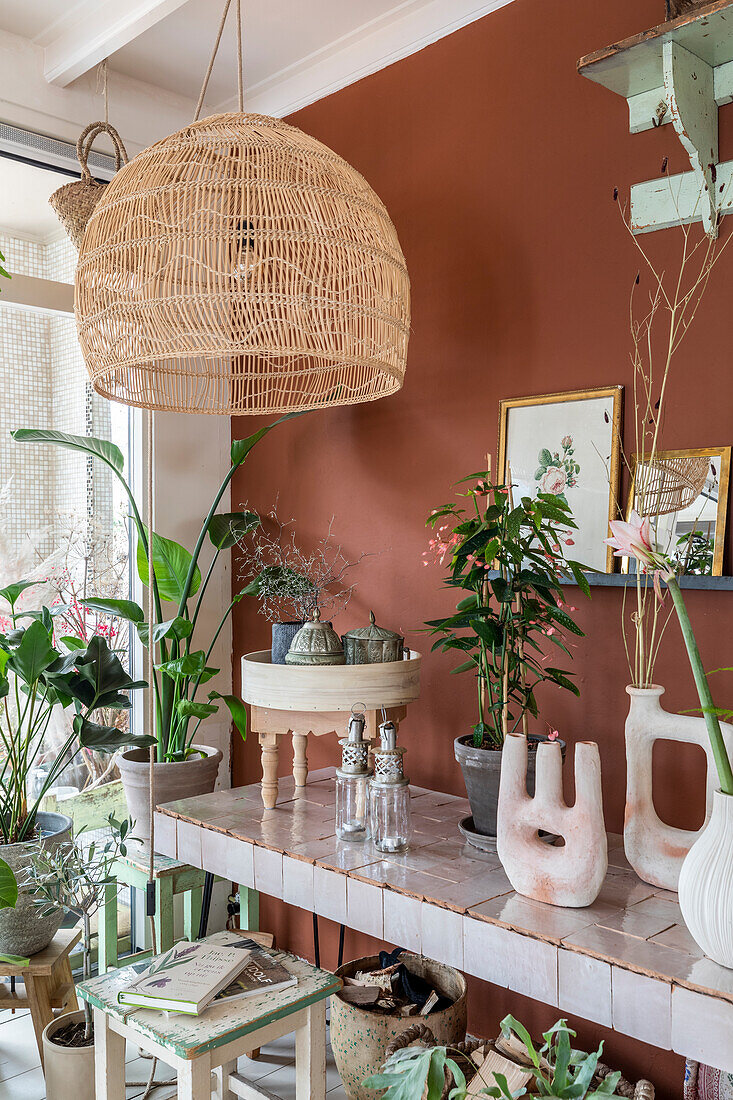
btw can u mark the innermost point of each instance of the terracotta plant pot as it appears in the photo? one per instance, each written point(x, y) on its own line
point(197, 775)
point(481, 773)
point(359, 1038)
point(69, 1071)
point(23, 931)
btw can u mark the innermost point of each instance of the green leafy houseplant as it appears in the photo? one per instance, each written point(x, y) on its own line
point(509, 560)
point(559, 1071)
point(72, 877)
point(36, 677)
point(178, 593)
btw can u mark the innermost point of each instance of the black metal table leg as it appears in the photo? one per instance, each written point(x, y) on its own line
point(342, 930)
point(316, 941)
point(206, 904)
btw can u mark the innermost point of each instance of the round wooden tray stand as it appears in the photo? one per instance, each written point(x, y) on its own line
point(295, 700)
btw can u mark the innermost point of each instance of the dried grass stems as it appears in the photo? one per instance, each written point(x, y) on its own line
point(659, 320)
point(290, 582)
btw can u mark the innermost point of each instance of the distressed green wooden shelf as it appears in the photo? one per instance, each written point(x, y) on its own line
point(680, 72)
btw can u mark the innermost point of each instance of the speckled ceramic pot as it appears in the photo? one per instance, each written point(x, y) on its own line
point(69, 1071)
point(23, 930)
point(359, 1037)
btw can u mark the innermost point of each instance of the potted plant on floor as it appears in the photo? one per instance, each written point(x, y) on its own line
point(554, 1070)
point(509, 561)
point(182, 670)
point(36, 680)
point(71, 878)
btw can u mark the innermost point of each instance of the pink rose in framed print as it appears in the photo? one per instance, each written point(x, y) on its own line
point(568, 445)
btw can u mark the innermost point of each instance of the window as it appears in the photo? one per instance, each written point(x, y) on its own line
point(63, 520)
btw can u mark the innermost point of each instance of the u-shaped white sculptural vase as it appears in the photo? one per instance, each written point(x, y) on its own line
point(654, 849)
point(570, 875)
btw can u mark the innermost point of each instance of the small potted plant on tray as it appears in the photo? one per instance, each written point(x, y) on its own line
point(182, 667)
point(290, 583)
point(509, 561)
point(71, 878)
point(37, 680)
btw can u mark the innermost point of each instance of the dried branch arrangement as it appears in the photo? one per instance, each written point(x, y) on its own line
point(289, 581)
point(662, 307)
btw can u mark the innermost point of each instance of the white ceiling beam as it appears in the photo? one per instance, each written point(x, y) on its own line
point(95, 29)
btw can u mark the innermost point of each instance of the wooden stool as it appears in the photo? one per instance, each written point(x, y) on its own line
point(48, 983)
point(197, 1046)
point(171, 877)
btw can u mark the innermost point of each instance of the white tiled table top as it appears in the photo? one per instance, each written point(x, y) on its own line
point(626, 962)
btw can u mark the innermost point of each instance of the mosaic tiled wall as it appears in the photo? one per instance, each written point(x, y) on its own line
point(43, 383)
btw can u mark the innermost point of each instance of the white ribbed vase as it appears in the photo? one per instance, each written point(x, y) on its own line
point(706, 884)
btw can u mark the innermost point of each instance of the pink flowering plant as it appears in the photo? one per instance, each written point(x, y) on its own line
point(635, 539)
point(509, 561)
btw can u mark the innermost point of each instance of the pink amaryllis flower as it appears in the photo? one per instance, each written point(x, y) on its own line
point(633, 539)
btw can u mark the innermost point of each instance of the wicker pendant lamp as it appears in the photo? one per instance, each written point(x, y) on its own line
point(240, 266)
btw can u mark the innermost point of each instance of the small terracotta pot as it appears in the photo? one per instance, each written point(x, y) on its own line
point(359, 1038)
point(69, 1071)
point(173, 781)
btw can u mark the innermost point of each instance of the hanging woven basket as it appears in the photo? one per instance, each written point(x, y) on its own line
point(240, 266)
point(74, 202)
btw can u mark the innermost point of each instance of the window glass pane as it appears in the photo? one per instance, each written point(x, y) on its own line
point(63, 519)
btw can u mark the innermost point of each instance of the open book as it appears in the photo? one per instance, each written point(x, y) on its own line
point(191, 976)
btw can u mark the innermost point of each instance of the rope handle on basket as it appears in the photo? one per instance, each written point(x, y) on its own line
point(87, 138)
point(421, 1033)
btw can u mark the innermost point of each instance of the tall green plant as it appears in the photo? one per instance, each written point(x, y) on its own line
point(36, 679)
point(509, 560)
point(183, 669)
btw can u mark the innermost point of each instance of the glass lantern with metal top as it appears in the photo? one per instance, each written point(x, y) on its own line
point(352, 783)
point(389, 793)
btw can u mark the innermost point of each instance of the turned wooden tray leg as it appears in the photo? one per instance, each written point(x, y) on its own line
point(300, 759)
point(269, 747)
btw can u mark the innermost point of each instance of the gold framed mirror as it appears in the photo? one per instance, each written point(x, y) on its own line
point(685, 496)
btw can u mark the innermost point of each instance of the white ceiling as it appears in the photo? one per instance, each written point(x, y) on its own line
point(295, 50)
point(24, 191)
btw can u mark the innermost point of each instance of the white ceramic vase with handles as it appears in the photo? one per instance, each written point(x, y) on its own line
point(655, 849)
point(706, 884)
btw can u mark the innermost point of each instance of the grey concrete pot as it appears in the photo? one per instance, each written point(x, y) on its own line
point(23, 931)
point(174, 781)
point(481, 773)
point(359, 1037)
point(282, 638)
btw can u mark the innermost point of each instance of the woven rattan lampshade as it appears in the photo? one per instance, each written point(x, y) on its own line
point(240, 266)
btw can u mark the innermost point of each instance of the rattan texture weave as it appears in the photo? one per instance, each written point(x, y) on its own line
point(241, 266)
point(670, 484)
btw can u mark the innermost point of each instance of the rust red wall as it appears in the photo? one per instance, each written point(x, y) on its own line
point(497, 163)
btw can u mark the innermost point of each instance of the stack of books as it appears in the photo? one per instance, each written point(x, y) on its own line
point(192, 976)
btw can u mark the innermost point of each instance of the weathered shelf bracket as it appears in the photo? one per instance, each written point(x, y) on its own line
point(680, 73)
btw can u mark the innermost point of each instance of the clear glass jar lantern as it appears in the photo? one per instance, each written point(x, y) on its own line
point(391, 825)
point(352, 784)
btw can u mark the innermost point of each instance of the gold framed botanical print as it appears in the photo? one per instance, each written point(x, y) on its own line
point(685, 496)
point(569, 445)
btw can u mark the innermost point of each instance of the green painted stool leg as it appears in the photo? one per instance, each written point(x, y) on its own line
point(164, 914)
point(192, 913)
point(249, 909)
point(107, 929)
